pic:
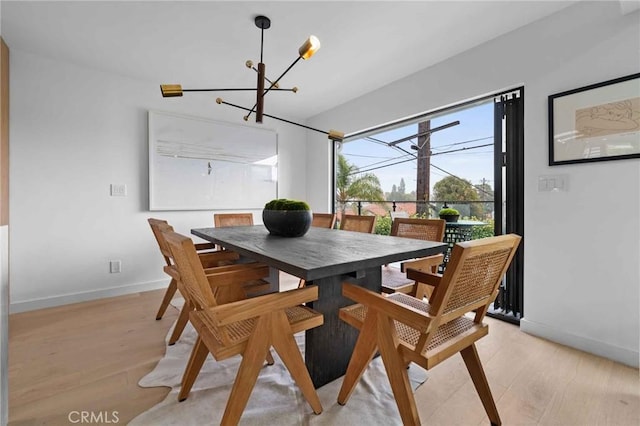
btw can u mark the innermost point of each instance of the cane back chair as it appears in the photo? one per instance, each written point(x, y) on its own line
point(405, 329)
point(356, 223)
point(324, 220)
point(248, 277)
point(248, 328)
point(394, 279)
point(207, 257)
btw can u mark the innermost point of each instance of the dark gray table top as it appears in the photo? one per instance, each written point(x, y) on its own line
point(321, 252)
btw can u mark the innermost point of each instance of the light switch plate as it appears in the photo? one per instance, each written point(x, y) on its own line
point(555, 183)
point(118, 190)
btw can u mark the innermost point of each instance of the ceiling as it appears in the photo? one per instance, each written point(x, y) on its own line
point(365, 45)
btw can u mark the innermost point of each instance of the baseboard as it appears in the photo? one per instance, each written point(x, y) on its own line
point(65, 299)
point(615, 353)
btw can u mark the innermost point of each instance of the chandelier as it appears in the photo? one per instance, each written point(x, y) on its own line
point(264, 84)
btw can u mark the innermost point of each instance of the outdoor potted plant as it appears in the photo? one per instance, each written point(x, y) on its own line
point(287, 218)
point(449, 214)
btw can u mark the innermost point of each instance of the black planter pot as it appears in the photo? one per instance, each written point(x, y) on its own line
point(450, 218)
point(287, 223)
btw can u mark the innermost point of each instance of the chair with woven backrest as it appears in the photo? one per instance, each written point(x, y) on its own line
point(356, 223)
point(221, 220)
point(395, 279)
point(248, 328)
point(248, 276)
point(324, 220)
point(405, 329)
point(207, 258)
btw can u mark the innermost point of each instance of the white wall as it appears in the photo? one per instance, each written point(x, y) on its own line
point(581, 279)
point(74, 131)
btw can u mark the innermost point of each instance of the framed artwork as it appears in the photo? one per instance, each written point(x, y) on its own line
point(599, 122)
point(200, 164)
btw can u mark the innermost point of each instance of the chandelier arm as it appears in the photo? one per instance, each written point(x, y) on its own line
point(219, 90)
point(220, 101)
point(237, 89)
point(282, 75)
point(268, 81)
point(261, 95)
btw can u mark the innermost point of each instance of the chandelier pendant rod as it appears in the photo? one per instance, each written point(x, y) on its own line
point(260, 94)
point(261, 76)
point(261, 42)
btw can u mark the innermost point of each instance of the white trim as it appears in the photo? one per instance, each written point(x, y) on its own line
point(625, 356)
point(48, 302)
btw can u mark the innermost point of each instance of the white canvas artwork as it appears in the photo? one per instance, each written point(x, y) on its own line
point(201, 164)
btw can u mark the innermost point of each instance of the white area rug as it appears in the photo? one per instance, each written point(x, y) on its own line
point(275, 400)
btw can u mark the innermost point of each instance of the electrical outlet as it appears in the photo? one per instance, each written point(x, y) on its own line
point(118, 190)
point(115, 266)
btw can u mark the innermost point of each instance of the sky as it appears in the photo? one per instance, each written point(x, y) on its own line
point(475, 128)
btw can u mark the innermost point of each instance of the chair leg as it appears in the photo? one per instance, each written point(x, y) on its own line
point(270, 360)
point(472, 361)
point(302, 283)
point(363, 352)
point(397, 372)
point(168, 295)
point(285, 345)
point(421, 290)
point(181, 323)
point(196, 360)
point(252, 359)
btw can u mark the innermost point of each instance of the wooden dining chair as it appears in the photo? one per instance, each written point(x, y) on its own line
point(356, 223)
point(248, 328)
point(207, 257)
point(395, 279)
point(248, 281)
point(324, 220)
point(405, 329)
point(222, 220)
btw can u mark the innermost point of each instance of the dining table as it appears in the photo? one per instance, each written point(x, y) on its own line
point(326, 258)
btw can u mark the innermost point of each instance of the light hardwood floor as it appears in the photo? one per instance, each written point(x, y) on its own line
point(90, 356)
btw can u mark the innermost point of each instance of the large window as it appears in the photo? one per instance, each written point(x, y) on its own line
point(469, 158)
point(418, 166)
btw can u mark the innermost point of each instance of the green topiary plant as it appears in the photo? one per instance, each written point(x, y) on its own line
point(448, 211)
point(285, 204)
point(287, 218)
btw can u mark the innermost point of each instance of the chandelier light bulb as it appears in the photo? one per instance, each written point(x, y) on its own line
point(310, 46)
